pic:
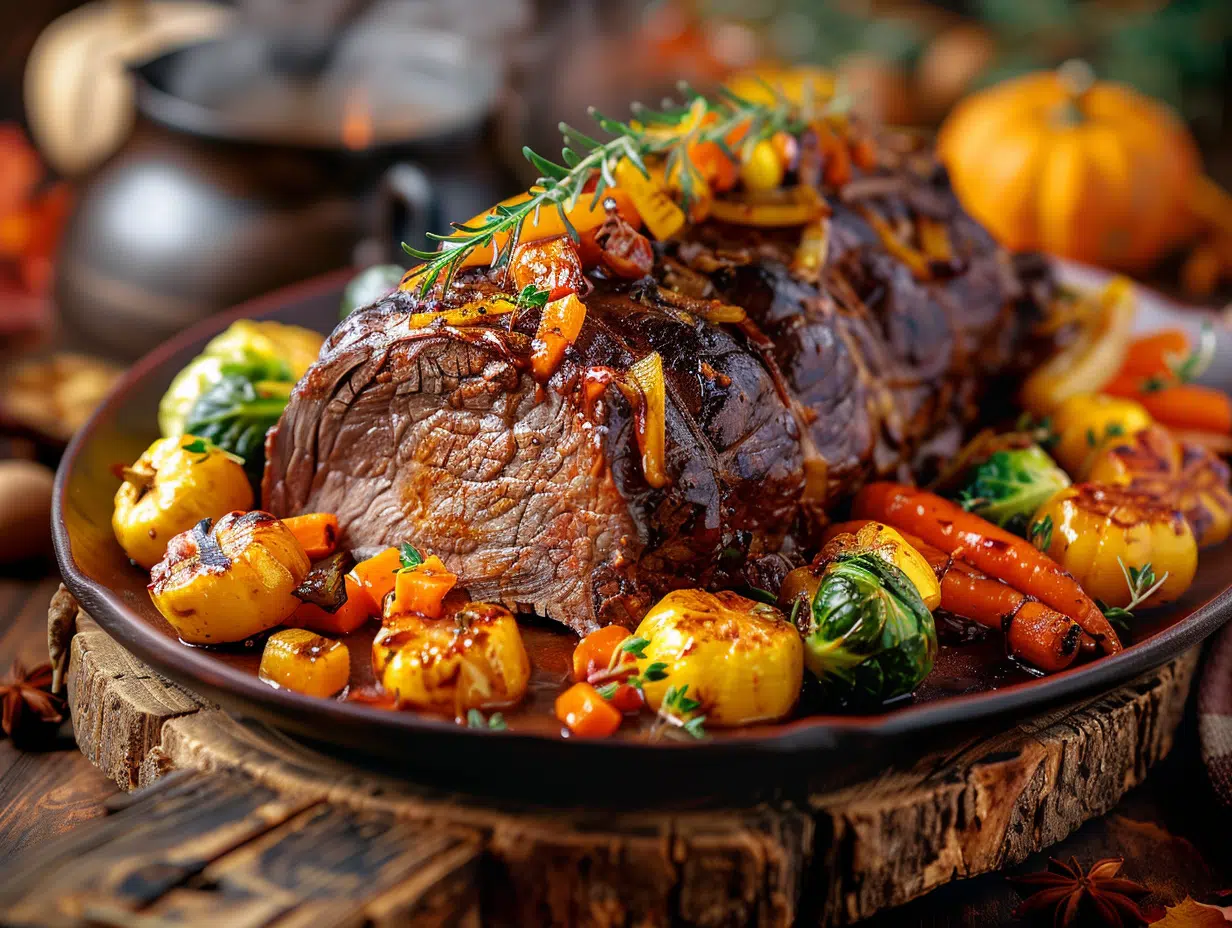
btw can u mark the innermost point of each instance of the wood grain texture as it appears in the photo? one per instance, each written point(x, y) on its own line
point(970, 805)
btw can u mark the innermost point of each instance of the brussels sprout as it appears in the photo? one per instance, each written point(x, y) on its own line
point(369, 285)
point(1011, 485)
point(237, 411)
point(867, 633)
point(288, 349)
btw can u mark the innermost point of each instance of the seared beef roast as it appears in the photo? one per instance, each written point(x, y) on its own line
point(535, 494)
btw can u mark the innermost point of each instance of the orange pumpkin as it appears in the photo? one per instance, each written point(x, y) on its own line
point(1058, 162)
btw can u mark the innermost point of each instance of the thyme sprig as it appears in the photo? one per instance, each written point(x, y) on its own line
point(669, 133)
point(1142, 586)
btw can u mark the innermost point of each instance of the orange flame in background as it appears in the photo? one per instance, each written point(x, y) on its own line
point(357, 119)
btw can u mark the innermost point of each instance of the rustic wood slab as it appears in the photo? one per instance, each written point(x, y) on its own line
point(240, 825)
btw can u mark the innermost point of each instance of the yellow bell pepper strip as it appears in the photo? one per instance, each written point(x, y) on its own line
point(1107, 535)
point(651, 418)
point(659, 211)
point(300, 660)
point(583, 216)
point(1091, 361)
point(472, 313)
point(231, 580)
point(175, 484)
point(792, 206)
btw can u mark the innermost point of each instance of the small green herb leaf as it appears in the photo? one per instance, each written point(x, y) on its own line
point(410, 556)
point(1040, 533)
point(531, 297)
point(635, 646)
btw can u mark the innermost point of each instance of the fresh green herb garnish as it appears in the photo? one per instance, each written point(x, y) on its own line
point(203, 447)
point(560, 186)
point(410, 557)
point(635, 646)
point(757, 594)
point(1040, 533)
point(677, 709)
point(531, 297)
point(475, 719)
point(1142, 586)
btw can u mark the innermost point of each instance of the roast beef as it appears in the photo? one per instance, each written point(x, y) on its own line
point(535, 495)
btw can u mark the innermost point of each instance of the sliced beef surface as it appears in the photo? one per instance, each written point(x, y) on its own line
point(536, 495)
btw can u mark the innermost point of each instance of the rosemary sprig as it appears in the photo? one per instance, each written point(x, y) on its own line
point(669, 133)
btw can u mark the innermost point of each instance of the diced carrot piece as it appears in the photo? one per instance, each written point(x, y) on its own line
point(594, 652)
point(585, 713)
point(316, 532)
point(345, 619)
point(551, 264)
point(376, 576)
point(423, 589)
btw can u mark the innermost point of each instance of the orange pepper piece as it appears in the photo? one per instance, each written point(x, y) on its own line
point(345, 619)
point(376, 576)
point(585, 713)
point(559, 327)
point(423, 589)
point(1148, 356)
point(316, 532)
point(594, 652)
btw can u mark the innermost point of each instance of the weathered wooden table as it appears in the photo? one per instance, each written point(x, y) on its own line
point(479, 868)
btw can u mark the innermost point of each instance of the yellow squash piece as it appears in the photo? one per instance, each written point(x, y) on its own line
point(169, 490)
point(1086, 422)
point(1186, 476)
point(659, 211)
point(1092, 360)
point(472, 659)
point(740, 659)
point(231, 581)
point(789, 206)
point(1100, 532)
point(300, 660)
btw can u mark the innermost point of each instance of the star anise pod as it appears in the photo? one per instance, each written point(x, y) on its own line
point(1096, 897)
point(24, 694)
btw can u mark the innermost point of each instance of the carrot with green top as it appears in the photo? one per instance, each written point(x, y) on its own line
point(989, 549)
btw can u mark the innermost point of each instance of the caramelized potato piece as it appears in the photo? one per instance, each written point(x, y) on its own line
point(297, 659)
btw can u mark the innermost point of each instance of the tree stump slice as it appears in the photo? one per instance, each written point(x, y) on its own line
point(237, 822)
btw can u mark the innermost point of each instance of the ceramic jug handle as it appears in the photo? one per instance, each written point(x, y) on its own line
point(407, 208)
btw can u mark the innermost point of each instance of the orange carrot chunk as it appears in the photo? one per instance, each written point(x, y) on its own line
point(316, 532)
point(1179, 405)
point(585, 713)
point(423, 589)
point(595, 651)
point(342, 621)
point(990, 549)
point(376, 576)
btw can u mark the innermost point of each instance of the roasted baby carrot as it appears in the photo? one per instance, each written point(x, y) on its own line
point(316, 532)
point(1150, 355)
point(1179, 405)
point(990, 549)
point(585, 713)
point(1033, 633)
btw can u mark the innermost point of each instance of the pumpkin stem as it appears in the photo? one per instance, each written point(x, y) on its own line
point(1076, 78)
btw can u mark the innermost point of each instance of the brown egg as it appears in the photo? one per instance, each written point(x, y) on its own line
point(25, 510)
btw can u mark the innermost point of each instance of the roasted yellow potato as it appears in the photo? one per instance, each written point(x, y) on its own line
point(740, 659)
point(231, 581)
point(1186, 476)
point(1085, 423)
point(1106, 535)
point(170, 489)
point(297, 659)
point(473, 658)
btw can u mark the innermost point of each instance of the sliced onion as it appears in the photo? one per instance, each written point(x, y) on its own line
point(647, 376)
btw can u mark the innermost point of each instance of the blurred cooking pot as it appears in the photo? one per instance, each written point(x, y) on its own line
point(239, 178)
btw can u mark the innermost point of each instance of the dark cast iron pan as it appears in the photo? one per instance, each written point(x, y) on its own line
point(970, 684)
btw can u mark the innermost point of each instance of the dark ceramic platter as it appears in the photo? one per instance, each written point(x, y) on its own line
point(970, 682)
